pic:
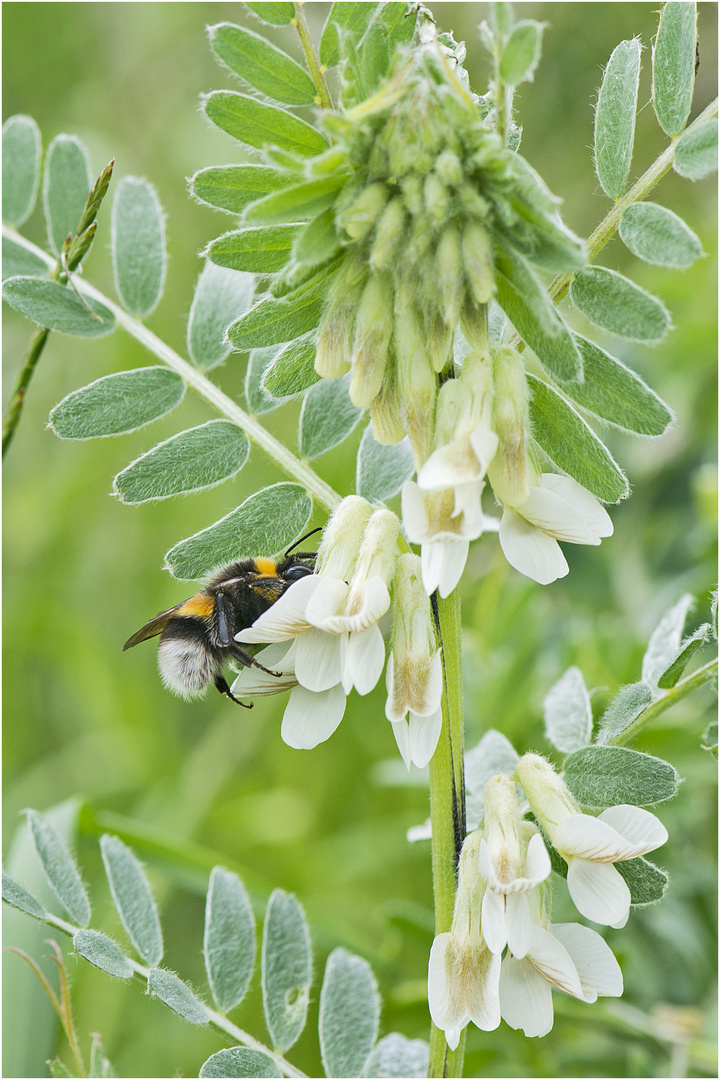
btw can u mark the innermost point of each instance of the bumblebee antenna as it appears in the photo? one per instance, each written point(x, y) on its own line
point(298, 542)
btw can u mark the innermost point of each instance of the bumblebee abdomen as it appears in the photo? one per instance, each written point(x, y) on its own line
point(188, 662)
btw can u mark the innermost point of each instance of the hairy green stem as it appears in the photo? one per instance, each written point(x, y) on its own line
point(676, 693)
point(13, 412)
point(307, 46)
point(447, 806)
point(216, 1020)
point(288, 462)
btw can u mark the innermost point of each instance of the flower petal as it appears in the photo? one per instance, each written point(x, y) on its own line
point(424, 735)
point(311, 718)
point(492, 920)
point(327, 612)
point(525, 998)
point(443, 562)
point(445, 1009)
point(530, 550)
point(599, 892)
point(317, 660)
point(553, 961)
point(591, 509)
point(482, 999)
point(537, 861)
point(587, 837)
point(599, 971)
point(252, 681)
point(450, 465)
point(484, 442)
point(327, 599)
point(414, 512)
point(639, 827)
point(286, 617)
point(362, 657)
point(557, 516)
point(518, 923)
point(401, 731)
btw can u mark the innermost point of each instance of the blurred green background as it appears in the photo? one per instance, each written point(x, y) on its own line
point(87, 723)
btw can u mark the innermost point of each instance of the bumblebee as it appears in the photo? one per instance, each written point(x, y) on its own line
point(197, 636)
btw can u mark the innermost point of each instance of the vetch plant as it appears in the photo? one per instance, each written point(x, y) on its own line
point(396, 262)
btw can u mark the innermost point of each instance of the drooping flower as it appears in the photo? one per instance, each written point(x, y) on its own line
point(414, 669)
point(589, 845)
point(463, 975)
point(512, 860)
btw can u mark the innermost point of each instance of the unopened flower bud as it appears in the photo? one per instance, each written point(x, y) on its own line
point(448, 261)
point(449, 167)
point(478, 261)
point(390, 227)
point(473, 202)
point(548, 795)
point(474, 324)
point(508, 473)
point(341, 540)
point(436, 197)
point(359, 218)
point(412, 190)
point(376, 557)
point(335, 333)
point(373, 333)
point(417, 380)
point(386, 409)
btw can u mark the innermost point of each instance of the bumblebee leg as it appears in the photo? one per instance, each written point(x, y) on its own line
point(247, 660)
point(223, 687)
point(222, 622)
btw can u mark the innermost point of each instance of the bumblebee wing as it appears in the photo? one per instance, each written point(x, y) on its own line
point(152, 628)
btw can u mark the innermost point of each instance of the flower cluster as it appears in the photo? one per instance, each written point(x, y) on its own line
point(323, 637)
point(502, 904)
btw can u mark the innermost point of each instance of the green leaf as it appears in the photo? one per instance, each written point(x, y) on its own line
point(286, 969)
point(57, 1069)
point(531, 224)
point(264, 524)
point(258, 400)
point(623, 710)
point(138, 245)
point(647, 882)
point(351, 19)
point(293, 369)
point(615, 394)
point(18, 261)
point(528, 307)
point(177, 995)
point(133, 898)
point(300, 201)
point(262, 65)
point(570, 442)
point(252, 122)
point(615, 117)
point(239, 1060)
point(99, 1064)
point(233, 187)
point(191, 461)
point(14, 894)
point(382, 470)
point(371, 56)
point(258, 251)
point(60, 868)
point(66, 186)
point(117, 403)
point(21, 157)
point(318, 240)
point(399, 20)
point(664, 644)
point(274, 320)
point(349, 1014)
point(103, 952)
point(327, 417)
point(277, 14)
point(602, 776)
point(493, 754)
point(229, 941)
point(57, 307)
point(396, 1056)
point(686, 651)
point(521, 53)
point(673, 65)
point(613, 302)
point(709, 739)
point(696, 153)
point(568, 716)
point(221, 295)
point(658, 236)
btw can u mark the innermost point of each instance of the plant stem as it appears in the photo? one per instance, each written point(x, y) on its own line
point(686, 686)
point(292, 465)
point(447, 806)
point(315, 70)
point(13, 412)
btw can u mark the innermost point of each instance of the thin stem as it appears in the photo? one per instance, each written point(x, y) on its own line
point(288, 462)
point(447, 806)
point(307, 46)
point(141, 974)
point(13, 412)
point(686, 686)
point(66, 1009)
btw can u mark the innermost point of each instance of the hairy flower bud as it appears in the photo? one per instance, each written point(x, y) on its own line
point(448, 261)
point(335, 333)
point(386, 409)
point(359, 217)
point(477, 253)
point(390, 227)
point(338, 550)
point(373, 333)
point(508, 473)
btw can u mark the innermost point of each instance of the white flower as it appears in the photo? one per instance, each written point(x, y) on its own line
point(463, 975)
point(512, 860)
point(414, 671)
point(443, 523)
point(590, 845)
point(557, 508)
point(568, 956)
